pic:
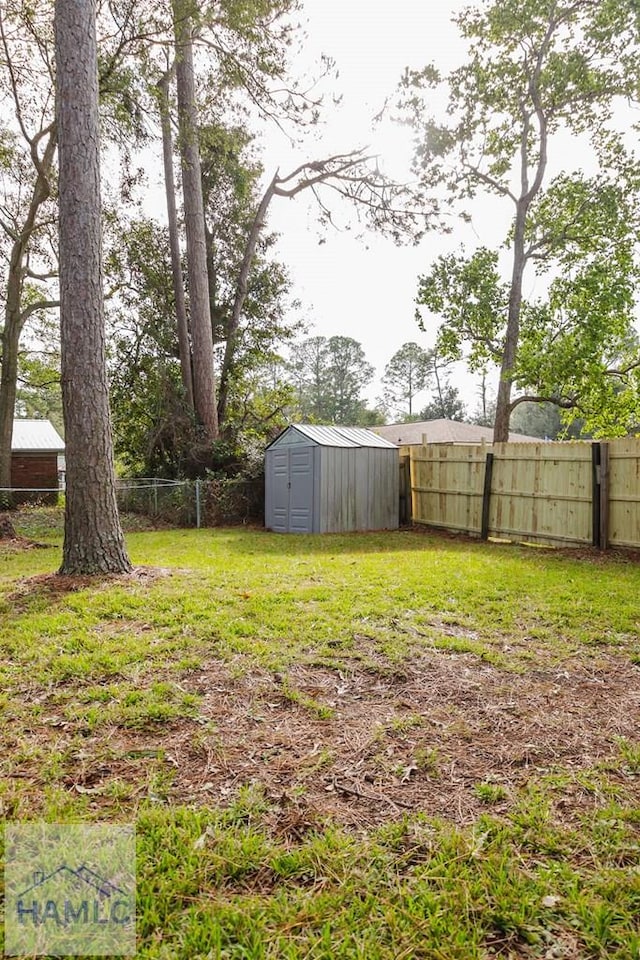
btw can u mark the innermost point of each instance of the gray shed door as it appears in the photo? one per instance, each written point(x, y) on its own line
point(292, 480)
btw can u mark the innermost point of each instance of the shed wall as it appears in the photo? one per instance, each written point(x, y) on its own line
point(359, 489)
point(274, 507)
point(34, 470)
point(384, 489)
point(337, 476)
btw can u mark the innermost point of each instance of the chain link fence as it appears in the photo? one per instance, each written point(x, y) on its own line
point(11, 497)
point(181, 503)
point(194, 503)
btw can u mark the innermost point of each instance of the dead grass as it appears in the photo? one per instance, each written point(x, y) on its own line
point(54, 585)
point(17, 544)
point(420, 737)
point(361, 745)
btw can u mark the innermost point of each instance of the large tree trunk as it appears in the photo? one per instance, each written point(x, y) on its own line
point(204, 390)
point(436, 374)
point(512, 336)
point(184, 345)
point(93, 540)
point(528, 193)
point(15, 317)
point(8, 385)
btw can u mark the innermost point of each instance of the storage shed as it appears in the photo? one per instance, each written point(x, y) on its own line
point(331, 480)
point(35, 449)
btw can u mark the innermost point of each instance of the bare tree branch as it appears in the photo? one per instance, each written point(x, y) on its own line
point(51, 275)
point(37, 306)
point(565, 403)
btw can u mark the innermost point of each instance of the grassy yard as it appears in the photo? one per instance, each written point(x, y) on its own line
point(390, 745)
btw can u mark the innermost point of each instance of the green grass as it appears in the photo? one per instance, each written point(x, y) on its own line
point(537, 861)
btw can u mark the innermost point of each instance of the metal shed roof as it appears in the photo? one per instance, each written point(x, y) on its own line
point(338, 436)
point(36, 436)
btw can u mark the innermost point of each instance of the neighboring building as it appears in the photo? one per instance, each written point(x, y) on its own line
point(35, 449)
point(330, 480)
point(443, 431)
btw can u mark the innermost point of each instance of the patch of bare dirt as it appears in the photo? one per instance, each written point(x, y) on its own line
point(17, 544)
point(53, 585)
point(418, 739)
point(10, 541)
point(584, 553)
point(597, 556)
point(415, 737)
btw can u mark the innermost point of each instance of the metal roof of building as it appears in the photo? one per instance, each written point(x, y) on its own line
point(36, 436)
point(444, 431)
point(339, 436)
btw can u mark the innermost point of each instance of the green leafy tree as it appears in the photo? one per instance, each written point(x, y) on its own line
point(28, 147)
point(485, 412)
point(544, 420)
point(348, 374)
point(29, 141)
point(260, 407)
point(156, 432)
point(248, 290)
point(577, 347)
point(353, 176)
point(406, 375)
point(411, 371)
point(308, 364)
point(204, 390)
point(329, 376)
point(246, 46)
point(38, 395)
point(533, 72)
point(154, 428)
point(39, 390)
point(371, 417)
point(447, 404)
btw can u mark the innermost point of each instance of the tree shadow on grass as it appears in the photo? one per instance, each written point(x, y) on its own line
point(53, 586)
point(297, 544)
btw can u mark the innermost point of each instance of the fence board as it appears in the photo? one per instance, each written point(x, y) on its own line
point(624, 493)
point(540, 492)
point(446, 483)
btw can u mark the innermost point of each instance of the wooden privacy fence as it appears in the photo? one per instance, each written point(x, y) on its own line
point(559, 493)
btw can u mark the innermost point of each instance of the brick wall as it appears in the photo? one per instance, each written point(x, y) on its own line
point(35, 470)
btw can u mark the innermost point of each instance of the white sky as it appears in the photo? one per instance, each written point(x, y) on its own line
point(364, 288)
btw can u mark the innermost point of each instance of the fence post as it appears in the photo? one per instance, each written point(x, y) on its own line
point(595, 494)
point(155, 498)
point(198, 504)
point(405, 490)
point(604, 496)
point(486, 496)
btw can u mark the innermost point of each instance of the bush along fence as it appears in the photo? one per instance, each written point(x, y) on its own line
point(194, 503)
point(561, 493)
point(183, 503)
point(11, 497)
